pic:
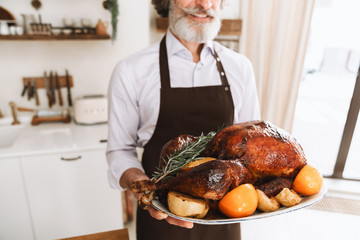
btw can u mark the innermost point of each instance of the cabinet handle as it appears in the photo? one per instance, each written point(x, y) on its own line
point(71, 159)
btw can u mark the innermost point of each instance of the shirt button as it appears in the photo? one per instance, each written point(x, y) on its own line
point(226, 89)
point(222, 73)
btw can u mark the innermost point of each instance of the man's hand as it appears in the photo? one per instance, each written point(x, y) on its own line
point(161, 215)
point(136, 174)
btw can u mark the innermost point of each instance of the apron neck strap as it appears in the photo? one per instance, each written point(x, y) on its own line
point(164, 65)
point(165, 72)
point(221, 70)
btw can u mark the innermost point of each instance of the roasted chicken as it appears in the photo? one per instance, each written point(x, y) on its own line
point(254, 152)
point(264, 149)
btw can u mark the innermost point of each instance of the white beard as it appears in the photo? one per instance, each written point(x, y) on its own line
point(193, 31)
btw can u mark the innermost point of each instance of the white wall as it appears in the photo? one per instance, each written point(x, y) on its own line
point(231, 9)
point(89, 62)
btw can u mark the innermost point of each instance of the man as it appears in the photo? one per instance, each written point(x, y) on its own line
point(187, 84)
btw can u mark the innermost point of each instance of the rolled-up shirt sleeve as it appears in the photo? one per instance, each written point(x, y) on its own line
point(123, 125)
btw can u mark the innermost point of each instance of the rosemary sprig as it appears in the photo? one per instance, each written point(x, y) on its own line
point(179, 159)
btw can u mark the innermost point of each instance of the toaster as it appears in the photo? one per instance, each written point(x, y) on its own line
point(91, 109)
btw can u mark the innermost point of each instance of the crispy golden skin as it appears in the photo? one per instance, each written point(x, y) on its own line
point(252, 152)
point(265, 150)
point(210, 180)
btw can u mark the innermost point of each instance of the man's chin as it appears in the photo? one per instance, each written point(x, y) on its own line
point(195, 36)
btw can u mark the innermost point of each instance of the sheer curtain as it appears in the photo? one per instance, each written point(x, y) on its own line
point(275, 38)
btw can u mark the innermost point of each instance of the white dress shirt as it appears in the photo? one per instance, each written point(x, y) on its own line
point(134, 95)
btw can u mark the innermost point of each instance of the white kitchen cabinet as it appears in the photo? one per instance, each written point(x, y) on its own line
point(15, 221)
point(69, 194)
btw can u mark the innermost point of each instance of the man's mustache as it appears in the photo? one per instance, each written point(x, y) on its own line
point(197, 10)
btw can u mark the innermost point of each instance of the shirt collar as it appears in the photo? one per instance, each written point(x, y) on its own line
point(174, 47)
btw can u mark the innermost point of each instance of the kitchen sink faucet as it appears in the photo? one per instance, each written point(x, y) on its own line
point(13, 110)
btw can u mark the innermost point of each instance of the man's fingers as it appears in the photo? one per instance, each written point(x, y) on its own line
point(179, 223)
point(138, 195)
point(161, 215)
point(157, 214)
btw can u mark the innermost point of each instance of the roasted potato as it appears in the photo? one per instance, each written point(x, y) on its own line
point(288, 198)
point(265, 203)
point(185, 206)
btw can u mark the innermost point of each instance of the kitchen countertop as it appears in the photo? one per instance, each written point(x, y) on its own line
point(56, 138)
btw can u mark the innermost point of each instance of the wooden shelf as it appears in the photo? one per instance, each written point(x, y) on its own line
point(56, 37)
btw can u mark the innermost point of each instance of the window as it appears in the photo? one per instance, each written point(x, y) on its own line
point(327, 88)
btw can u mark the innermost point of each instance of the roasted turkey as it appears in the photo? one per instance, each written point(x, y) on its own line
point(254, 152)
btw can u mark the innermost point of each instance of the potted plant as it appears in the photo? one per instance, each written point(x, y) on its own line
point(113, 7)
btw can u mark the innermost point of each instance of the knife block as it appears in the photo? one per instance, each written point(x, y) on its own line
point(50, 83)
point(40, 82)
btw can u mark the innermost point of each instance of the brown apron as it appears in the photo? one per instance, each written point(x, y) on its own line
point(185, 111)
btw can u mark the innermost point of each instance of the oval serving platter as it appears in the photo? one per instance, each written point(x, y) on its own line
point(306, 202)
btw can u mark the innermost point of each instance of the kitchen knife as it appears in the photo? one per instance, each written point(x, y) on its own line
point(58, 88)
point(27, 84)
point(30, 91)
point(35, 92)
point(52, 93)
point(68, 86)
point(40, 26)
point(48, 93)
